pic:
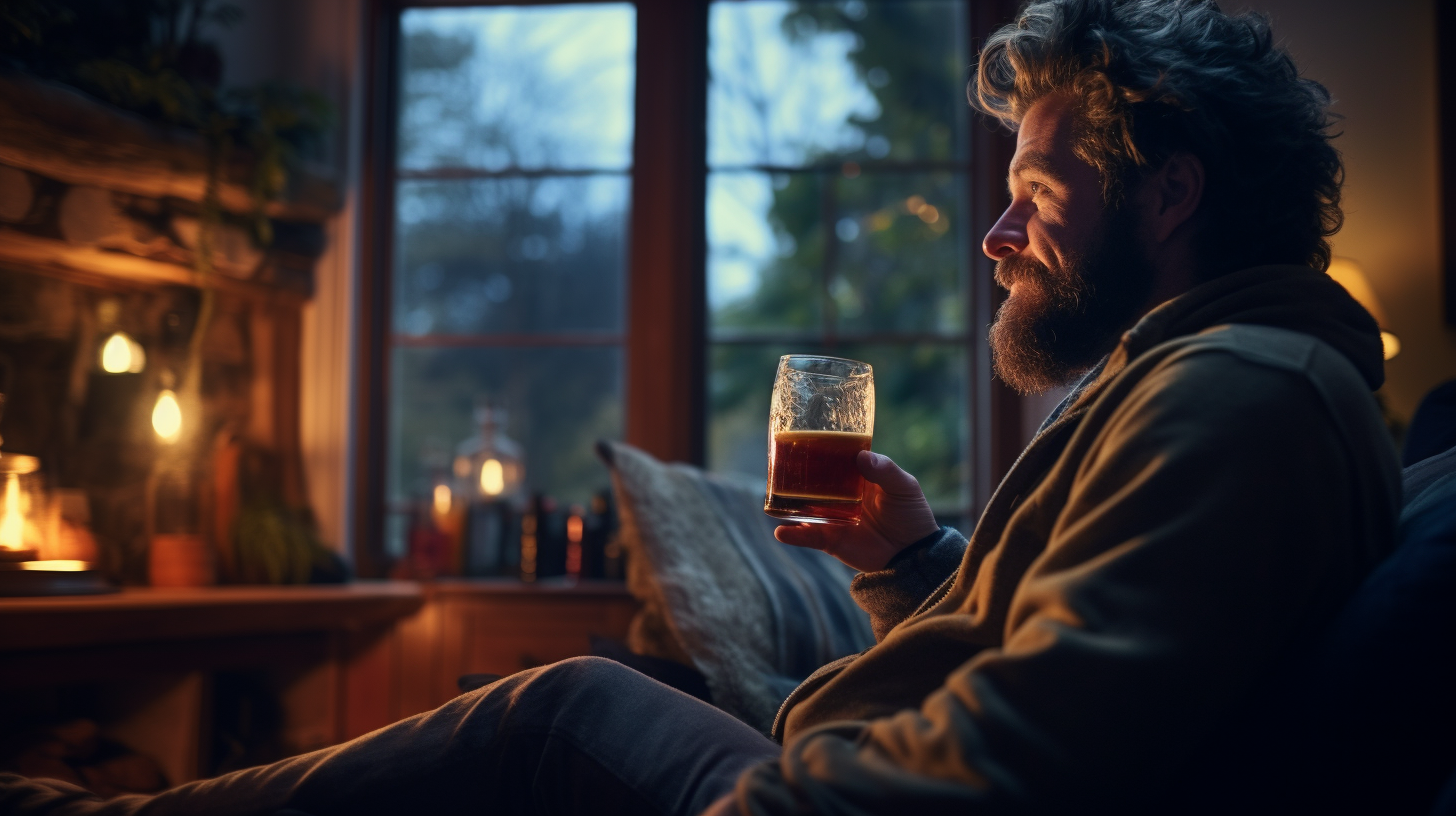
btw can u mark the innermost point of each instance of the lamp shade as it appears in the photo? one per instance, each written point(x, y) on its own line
point(1348, 274)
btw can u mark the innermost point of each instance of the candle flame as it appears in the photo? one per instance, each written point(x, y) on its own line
point(492, 477)
point(167, 417)
point(442, 500)
point(12, 525)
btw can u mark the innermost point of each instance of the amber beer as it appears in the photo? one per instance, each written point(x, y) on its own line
point(813, 476)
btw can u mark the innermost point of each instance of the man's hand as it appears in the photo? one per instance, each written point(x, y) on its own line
point(895, 516)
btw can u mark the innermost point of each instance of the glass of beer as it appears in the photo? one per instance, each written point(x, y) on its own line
point(822, 415)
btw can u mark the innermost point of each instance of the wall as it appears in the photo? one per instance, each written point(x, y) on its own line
point(317, 44)
point(1379, 62)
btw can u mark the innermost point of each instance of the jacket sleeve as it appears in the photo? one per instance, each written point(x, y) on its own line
point(1205, 528)
point(892, 594)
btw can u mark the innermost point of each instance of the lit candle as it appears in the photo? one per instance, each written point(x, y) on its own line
point(492, 477)
point(12, 524)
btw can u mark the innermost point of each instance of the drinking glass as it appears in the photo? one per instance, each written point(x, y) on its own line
point(821, 416)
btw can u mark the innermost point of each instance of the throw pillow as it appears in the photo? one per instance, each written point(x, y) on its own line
point(719, 593)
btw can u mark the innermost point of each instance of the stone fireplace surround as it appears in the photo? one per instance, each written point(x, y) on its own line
point(98, 225)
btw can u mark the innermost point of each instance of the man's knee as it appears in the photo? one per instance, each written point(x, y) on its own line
point(573, 677)
point(571, 688)
point(585, 673)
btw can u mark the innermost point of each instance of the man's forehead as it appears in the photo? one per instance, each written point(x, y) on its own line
point(1044, 140)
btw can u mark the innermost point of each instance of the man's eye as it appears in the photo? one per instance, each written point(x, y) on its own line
point(1036, 187)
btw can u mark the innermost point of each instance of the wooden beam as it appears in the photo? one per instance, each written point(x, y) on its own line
point(63, 134)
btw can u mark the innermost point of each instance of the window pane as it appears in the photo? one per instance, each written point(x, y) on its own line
point(920, 418)
point(899, 260)
point(559, 402)
point(495, 87)
point(740, 380)
point(510, 255)
point(837, 139)
point(765, 252)
point(798, 82)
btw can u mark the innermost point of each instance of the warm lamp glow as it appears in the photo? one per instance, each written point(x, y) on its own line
point(122, 355)
point(1348, 274)
point(12, 525)
point(492, 477)
point(167, 417)
point(1391, 343)
point(442, 500)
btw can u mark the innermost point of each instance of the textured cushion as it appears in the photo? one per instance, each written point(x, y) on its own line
point(720, 593)
point(1433, 428)
point(1363, 721)
point(1386, 677)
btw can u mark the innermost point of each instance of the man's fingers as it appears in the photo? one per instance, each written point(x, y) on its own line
point(879, 469)
point(800, 535)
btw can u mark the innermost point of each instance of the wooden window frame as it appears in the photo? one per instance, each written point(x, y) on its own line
point(665, 343)
point(1446, 149)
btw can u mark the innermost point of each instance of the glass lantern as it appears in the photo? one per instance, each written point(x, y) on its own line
point(23, 508)
point(489, 464)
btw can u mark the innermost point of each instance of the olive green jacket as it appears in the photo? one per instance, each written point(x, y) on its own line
point(1200, 508)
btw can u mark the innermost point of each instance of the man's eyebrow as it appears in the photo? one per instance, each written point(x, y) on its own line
point(1035, 162)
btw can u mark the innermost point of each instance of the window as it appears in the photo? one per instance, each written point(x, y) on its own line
point(838, 221)
point(512, 179)
point(829, 207)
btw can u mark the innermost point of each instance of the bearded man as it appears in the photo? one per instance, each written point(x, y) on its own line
point(1214, 486)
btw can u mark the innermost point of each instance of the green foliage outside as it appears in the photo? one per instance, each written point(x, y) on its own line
point(515, 256)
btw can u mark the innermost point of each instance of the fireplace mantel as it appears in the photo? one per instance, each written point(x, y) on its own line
point(89, 192)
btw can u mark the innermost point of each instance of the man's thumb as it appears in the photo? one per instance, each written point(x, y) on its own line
point(880, 469)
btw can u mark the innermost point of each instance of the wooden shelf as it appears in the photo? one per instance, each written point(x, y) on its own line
point(148, 615)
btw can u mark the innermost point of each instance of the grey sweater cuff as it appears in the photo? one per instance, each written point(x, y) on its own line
point(890, 595)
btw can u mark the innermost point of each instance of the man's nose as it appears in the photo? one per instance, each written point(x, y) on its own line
point(1007, 236)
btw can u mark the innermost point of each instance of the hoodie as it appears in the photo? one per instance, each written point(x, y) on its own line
point(1197, 510)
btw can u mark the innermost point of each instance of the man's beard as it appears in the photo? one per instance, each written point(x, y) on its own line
point(1062, 320)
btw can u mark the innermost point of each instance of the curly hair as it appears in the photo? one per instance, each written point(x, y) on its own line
point(1156, 77)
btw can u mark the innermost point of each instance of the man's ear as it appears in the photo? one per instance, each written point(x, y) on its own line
point(1171, 195)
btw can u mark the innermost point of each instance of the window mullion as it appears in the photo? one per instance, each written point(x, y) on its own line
point(666, 287)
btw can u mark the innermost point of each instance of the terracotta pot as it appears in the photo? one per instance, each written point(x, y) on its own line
point(181, 560)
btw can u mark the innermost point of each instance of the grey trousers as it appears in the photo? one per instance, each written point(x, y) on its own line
point(585, 735)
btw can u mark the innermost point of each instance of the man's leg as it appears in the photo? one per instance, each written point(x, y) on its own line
point(582, 736)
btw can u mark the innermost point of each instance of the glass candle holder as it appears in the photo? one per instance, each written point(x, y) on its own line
point(23, 508)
